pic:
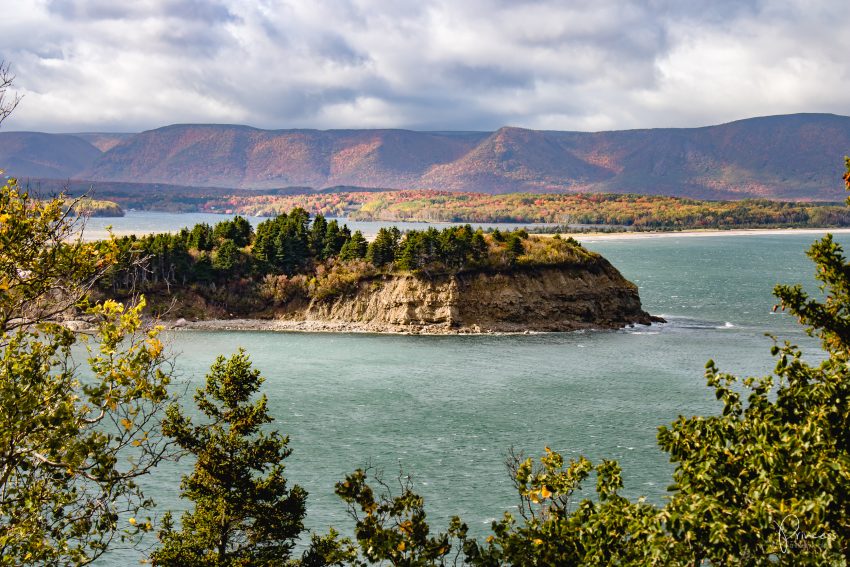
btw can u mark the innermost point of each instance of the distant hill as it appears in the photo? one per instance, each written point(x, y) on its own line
point(243, 157)
point(779, 157)
point(104, 141)
point(33, 154)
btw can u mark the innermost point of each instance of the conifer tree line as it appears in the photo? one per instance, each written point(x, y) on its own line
point(293, 243)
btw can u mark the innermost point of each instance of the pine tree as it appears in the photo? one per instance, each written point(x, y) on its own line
point(354, 248)
point(244, 513)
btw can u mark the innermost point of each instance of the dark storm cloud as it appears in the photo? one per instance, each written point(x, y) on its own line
point(426, 64)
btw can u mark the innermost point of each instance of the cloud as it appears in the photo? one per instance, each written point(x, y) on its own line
point(98, 65)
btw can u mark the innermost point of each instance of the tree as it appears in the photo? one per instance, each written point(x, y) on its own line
point(201, 237)
point(318, 229)
point(514, 247)
point(335, 238)
point(238, 230)
point(244, 512)
point(392, 529)
point(7, 104)
point(384, 248)
point(354, 248)
point(72, 446)
point(226, 258)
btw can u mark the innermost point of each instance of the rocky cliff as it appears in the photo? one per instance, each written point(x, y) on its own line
point(539, 298)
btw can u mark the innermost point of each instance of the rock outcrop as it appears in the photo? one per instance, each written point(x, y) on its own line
point(538, 298)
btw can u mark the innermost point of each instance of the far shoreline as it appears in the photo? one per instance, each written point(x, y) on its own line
point(695, 233)
point(590, 236)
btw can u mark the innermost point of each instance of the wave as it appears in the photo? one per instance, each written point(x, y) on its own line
point(680, 322)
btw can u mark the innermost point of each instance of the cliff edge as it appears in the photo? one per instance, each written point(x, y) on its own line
point(526, 298)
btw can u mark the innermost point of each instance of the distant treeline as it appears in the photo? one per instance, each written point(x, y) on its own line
point(632, 211)
point(293, 257)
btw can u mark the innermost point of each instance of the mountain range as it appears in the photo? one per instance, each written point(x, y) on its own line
point(794, 157)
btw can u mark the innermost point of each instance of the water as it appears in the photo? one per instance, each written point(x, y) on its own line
point(146, 222)
point(447, 409)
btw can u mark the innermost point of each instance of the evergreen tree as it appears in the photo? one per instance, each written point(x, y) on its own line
point(317, 237)
point(244, 513)
point(384, 248)
point(239, 230)
point(514, 247)
point(478, 247)
point(335, 238)
point(243, 232)
point(226, 258)
point(354, 248)
point(264, 251)
point(201, 237)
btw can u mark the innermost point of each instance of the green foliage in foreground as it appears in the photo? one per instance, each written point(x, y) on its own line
point(243, 507)
point(72, 444)
point(244, 512)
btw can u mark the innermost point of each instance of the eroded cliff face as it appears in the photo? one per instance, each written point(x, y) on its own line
point(550, 298)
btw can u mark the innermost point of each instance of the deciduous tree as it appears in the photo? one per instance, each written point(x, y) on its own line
point(73, 441)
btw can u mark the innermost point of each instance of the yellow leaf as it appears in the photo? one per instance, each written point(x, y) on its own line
point(538, 541)
point(401, 546)
point(132, 521)
point(136, 443)
point(126, 423)
point(544, 493)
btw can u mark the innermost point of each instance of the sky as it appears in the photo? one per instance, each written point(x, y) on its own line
point(127, 66)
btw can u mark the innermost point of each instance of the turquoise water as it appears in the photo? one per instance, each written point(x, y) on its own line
point(447, 409)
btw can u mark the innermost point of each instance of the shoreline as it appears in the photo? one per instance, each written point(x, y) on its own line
point(98, 234)
point(697, 233)
point(334, 327)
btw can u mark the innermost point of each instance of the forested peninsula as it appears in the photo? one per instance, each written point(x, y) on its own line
point(301, 273)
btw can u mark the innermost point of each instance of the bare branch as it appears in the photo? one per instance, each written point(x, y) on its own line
point(8, 102)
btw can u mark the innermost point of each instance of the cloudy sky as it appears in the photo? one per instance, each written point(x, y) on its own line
point(114, 65)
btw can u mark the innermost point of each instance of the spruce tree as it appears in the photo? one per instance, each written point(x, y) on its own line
point(354, 248)
point(244, 513)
